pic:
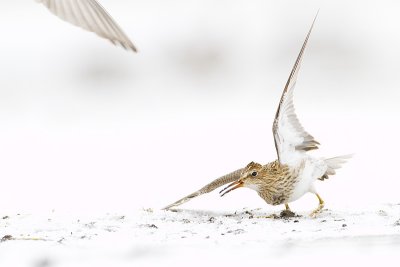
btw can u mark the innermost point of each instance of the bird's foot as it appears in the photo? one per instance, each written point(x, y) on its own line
point(287, 214)
point(317, 211)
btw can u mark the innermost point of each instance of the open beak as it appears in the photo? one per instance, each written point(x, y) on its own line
point(230, 187)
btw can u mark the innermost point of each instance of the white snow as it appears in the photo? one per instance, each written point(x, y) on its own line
point(148, 237)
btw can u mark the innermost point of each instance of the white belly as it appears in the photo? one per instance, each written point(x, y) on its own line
point(312, 170)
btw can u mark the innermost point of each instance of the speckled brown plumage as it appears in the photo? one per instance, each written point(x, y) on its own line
point(275, 181)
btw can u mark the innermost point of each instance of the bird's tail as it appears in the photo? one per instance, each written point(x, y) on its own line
point(333, 164)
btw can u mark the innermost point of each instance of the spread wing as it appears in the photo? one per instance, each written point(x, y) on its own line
point(91, 16)
point(290, 136)
point(228, 178)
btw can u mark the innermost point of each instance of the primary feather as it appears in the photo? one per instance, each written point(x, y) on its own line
point(91, 16)
point(291, 140)
point(223, 180)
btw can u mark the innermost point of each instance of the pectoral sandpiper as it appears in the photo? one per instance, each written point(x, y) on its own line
point(295, 172)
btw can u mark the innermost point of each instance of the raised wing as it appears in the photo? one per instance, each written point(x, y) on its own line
point(228, 178)
point(290, 136)
point(91, 16)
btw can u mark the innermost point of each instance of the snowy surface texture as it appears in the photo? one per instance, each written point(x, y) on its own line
point(202, 238)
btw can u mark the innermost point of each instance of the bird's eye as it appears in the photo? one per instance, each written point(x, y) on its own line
point(254, 174)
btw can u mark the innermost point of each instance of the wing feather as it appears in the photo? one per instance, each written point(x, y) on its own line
point(228, 178)
point(91, 16)
point(289, 135)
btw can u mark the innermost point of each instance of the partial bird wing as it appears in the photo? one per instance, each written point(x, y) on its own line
point(91, 16)
point(228, 178)
point(290, 136)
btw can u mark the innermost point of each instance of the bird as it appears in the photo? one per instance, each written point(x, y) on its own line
point(295, 171)
point(91, 16)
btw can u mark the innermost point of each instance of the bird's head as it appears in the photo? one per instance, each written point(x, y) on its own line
point(250, 178)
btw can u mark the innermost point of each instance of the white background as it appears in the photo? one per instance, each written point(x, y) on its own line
point(88, 127)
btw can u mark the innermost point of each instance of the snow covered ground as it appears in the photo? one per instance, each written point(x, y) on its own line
point(368, 236)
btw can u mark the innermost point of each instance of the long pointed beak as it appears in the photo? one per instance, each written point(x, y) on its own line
point(231, 186)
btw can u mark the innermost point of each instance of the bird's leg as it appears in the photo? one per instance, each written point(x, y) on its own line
point(287, 207)
point(320, 207)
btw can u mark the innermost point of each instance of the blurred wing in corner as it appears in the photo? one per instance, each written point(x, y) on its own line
point(290, 136)
point(91, 16)
point(230, 177)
